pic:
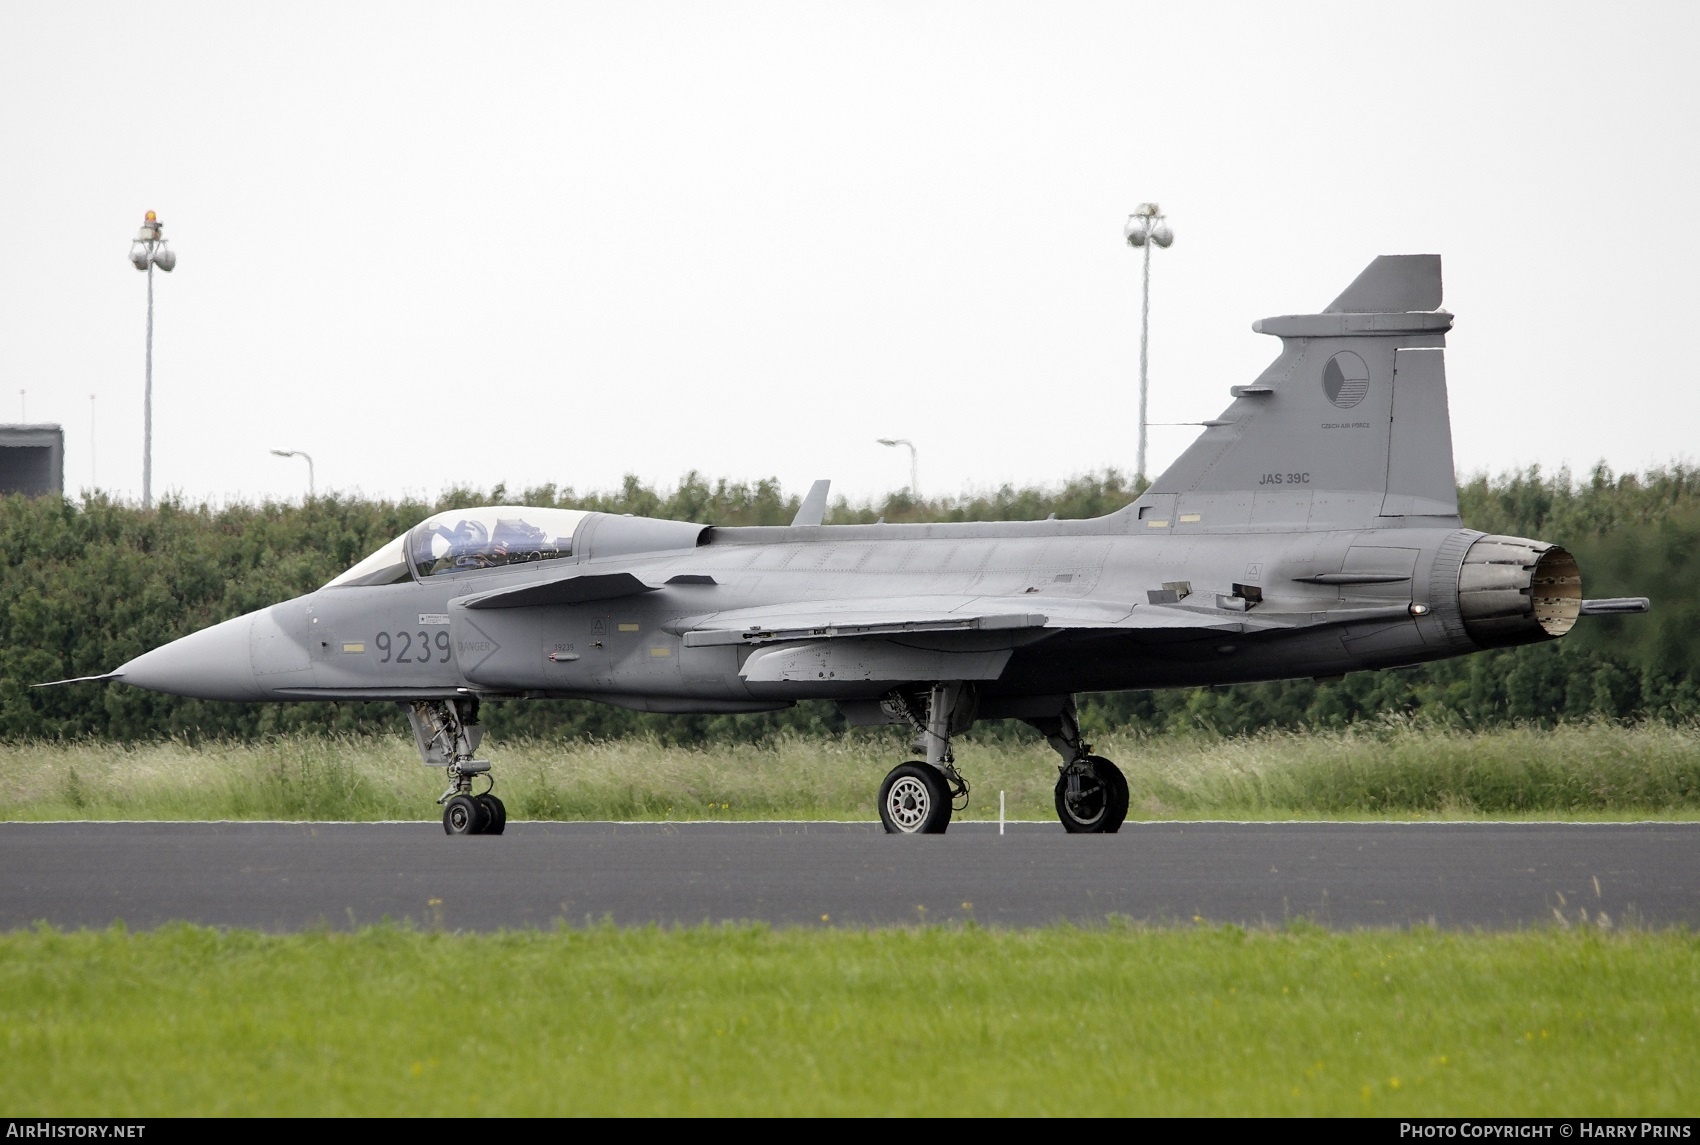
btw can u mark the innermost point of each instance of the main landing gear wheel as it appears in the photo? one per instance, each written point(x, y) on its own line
point(914, 801)
point(495, 813)
point(1092, 797)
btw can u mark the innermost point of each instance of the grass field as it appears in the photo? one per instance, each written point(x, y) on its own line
point(921, 1020)
point(1389, 769)
point(938, 1020)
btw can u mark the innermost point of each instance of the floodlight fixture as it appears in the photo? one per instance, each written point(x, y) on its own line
point(148, 250)
point(308, 459)
point(1145, 228)
point(914, 468)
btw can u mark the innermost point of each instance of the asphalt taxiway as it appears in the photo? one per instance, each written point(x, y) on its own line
point(289, 876)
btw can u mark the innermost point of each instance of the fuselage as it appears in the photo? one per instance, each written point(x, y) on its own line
point(1327, 601)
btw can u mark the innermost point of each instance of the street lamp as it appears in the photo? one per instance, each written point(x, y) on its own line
point(146, 252)
point(307, 459)
point(1146, 226)
point(914, 481)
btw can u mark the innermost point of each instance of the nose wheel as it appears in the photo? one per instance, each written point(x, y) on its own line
point(461, 815)
point(474, 815)
point(496, 813)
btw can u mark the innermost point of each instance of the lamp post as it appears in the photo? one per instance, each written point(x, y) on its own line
point(297, 453)
point(1146, 226)
point(147, 251)
point(914, 481)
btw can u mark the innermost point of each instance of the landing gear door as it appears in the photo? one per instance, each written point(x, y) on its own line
point(437, 738)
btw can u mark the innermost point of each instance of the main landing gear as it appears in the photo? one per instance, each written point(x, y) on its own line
point(917, 798)
point(447, 733)
point(1091, 794)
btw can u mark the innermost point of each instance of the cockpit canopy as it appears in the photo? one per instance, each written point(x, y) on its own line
point(466, 540)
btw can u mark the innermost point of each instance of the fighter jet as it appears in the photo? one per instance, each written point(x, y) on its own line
point(1311, 530)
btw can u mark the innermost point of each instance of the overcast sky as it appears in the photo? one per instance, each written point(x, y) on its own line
point(437, 244)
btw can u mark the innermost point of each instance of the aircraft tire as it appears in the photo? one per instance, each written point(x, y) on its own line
point(914, 801)
point(1117, 811)
point(1103, 809)
point(495, 813)
point(463, 816)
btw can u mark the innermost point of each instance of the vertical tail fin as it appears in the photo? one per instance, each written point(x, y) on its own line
point(1348, 425)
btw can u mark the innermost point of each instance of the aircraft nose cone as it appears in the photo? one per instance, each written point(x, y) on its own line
point(212, 664)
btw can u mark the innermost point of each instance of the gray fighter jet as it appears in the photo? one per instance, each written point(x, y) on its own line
point(1311, 530)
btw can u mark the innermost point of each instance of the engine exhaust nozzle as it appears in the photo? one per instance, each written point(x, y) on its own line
point(1512, 590)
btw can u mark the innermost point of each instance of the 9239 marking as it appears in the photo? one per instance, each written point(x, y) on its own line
point(403, 649)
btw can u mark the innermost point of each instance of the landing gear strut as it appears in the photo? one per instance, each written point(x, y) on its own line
point(447, 733)
point(1091, 793)
point(918, 798)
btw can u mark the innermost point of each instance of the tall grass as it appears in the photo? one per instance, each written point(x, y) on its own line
point(1401, 767)
point(1393, 768)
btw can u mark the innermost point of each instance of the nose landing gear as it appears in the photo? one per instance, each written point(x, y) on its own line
point(447, 733)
